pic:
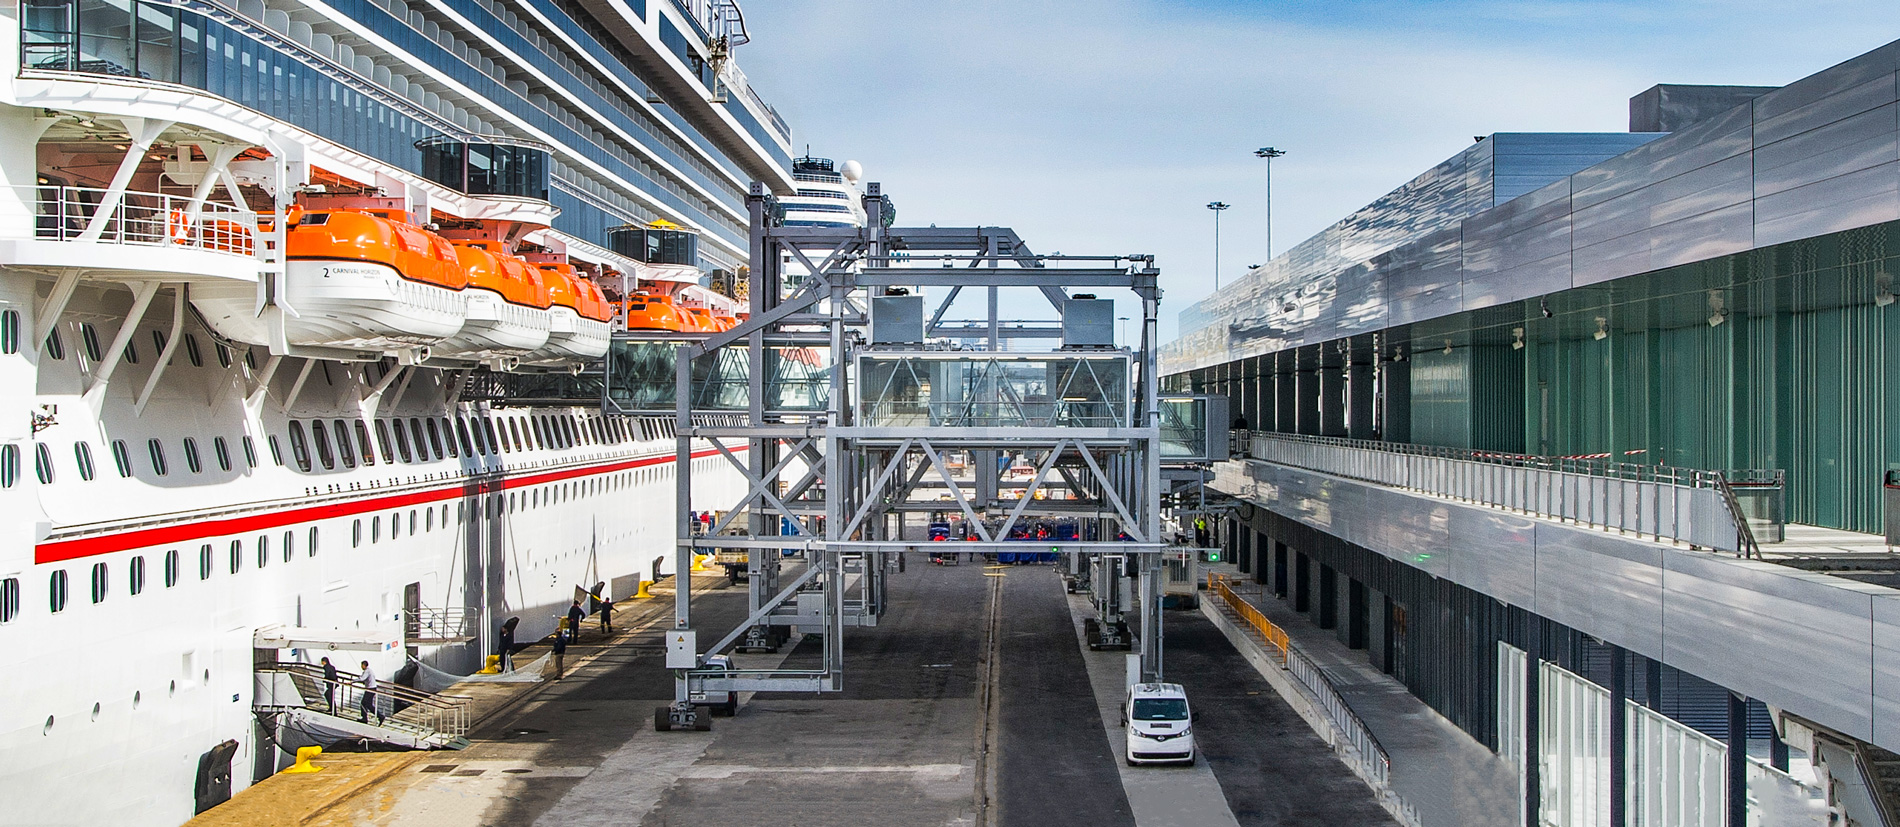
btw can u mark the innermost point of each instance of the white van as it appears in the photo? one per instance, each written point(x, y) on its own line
point(1160, 724)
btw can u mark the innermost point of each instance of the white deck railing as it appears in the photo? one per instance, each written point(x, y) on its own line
point(62, 213)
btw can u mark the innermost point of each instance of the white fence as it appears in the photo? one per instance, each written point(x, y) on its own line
point(1573, 736)
point(1657, 501)
point(1676, 776)
point(60, 213)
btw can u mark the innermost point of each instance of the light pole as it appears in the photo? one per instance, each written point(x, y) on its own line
point(1124, 337)
point(1269, 153)
point(1218, 207)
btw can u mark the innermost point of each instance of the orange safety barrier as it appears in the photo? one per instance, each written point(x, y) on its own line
point(1266, 629)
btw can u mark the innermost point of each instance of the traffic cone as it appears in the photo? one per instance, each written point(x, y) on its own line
point(304, 754)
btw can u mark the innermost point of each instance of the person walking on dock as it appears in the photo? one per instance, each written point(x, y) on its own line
point(606, 615)
point(574, 615)
point(329, 686)
point(505, 647)
point(368, 704)
point(560, 652)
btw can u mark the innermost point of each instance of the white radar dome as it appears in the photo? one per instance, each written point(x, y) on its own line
point(852, 171)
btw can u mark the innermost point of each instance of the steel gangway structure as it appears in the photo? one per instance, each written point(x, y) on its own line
point(865, 422)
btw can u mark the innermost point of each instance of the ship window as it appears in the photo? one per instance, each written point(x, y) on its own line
point(362, 443)
point(319, 435)
point(9, 599)
point(9, 465)
point(204, 562)
point(157, 451)
point(89, 338)
point(412, 521)
point(299, 446)
point(310, 548)
point(250, 358)
point(250, 451)
point(382, 440)
point(237, 556)
point(192, 460)
point(43, 463)
point(276, 452)
point(356, 533)
point(9, 331)
point(514, 431)
point(221, 450)
point(263, 550)
point(191, 351)
point(82, 453)
point(224, 355)
point(99, 582)
point(461, 434)
point(289, 545)
point(538, 426)
point(56, 591)
point(375, 529)
point(428, 520)
point(135, 580)
point(171, 568)
point(54, 347)
point(422, 451)
point(395, 525)
point(344, 450)
point(488, 427)
point(448, 436)
point(435, 438)
point(402, 441)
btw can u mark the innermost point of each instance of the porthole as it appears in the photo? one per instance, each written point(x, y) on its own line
point(122, 457)
point(47, 729)
point(156, 449)
point(402, 442)
point(99, 582)
point(320, 435)
point(95, 711)
point(356, 534)
point(375, 529)
point(224, 355)
point(158, 342)
point(9, 465)
point(89, 339)
point(192, 460)
point(56, 591)
point(222, 452)
point(435, 440)
point(382, 440)
point(412, 522)
point(299, 446)
point(310, 548)
point(191, 351)
point(204, 562)
point(263, 551)
point(43, 463)
point(395, 525)
point(135, 579)
point(289, 545)
point(54, 347)
point(171, 690)
point(461, 435)
point(82, 454)
point(9, 599)
point(136, 698)
point(344, 450)
point(250, 452)
point(422, 451)
point(9, 331)
point(237, 556)
point(171, 568)
point(428, 520)
point(276, 452)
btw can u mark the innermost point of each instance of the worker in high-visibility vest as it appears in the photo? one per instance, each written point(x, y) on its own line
point(1200, 531)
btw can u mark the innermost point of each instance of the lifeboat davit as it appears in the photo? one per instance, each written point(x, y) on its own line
point(650, 312)
point(356, 276)
point(580, 314)
point(509, 308)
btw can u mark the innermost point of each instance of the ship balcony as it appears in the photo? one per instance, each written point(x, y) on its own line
point(121, 235)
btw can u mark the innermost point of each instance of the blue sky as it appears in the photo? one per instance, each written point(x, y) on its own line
point(1105, 126)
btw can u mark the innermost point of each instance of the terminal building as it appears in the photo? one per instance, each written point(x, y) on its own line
point(1590, 441)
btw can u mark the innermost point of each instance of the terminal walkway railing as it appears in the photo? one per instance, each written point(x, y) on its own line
point(1663, 503)
point(1366, 749)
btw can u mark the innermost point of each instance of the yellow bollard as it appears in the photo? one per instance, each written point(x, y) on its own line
point(304, 754)
point(643, 594)
point(699, 563)
point(493, 667)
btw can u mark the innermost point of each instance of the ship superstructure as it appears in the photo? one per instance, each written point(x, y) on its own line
point(261, 266)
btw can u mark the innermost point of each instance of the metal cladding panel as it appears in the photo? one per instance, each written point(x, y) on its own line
point(1857, 85)
point(1652, 208)
point(1704, 236)
point(1886, 635)
point(1431, 304)
point(1791, 639)
point(1857, 199)
point(1504, 564)
point(1434, 263)
point(1623, 602)
point(1717, 139)
point(1843, 147)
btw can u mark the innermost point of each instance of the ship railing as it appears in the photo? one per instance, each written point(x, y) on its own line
point(399, 707)
point(1663, 503)
point(434, 626)
point(155, 219)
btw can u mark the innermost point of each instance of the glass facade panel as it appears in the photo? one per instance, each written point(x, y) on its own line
point(962, 391)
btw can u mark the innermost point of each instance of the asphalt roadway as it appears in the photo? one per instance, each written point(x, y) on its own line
point(955, 711)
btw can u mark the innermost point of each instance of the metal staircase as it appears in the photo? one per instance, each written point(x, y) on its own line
point(413, 718)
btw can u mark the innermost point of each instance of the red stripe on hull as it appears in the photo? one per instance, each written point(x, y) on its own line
point(62, 550)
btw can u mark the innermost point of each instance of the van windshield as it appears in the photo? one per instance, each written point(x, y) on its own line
point(1160, 709)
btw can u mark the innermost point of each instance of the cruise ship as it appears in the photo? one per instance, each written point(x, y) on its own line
point(262, 265)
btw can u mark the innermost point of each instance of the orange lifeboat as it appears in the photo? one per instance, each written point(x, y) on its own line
point(508, 314)
point(357, 276)
point(649, 312)
point(580, 313)
point(725, 320)
point(699, 320)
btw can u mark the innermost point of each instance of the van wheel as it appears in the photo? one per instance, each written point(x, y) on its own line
point(732, 707)
point(1131, 762)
